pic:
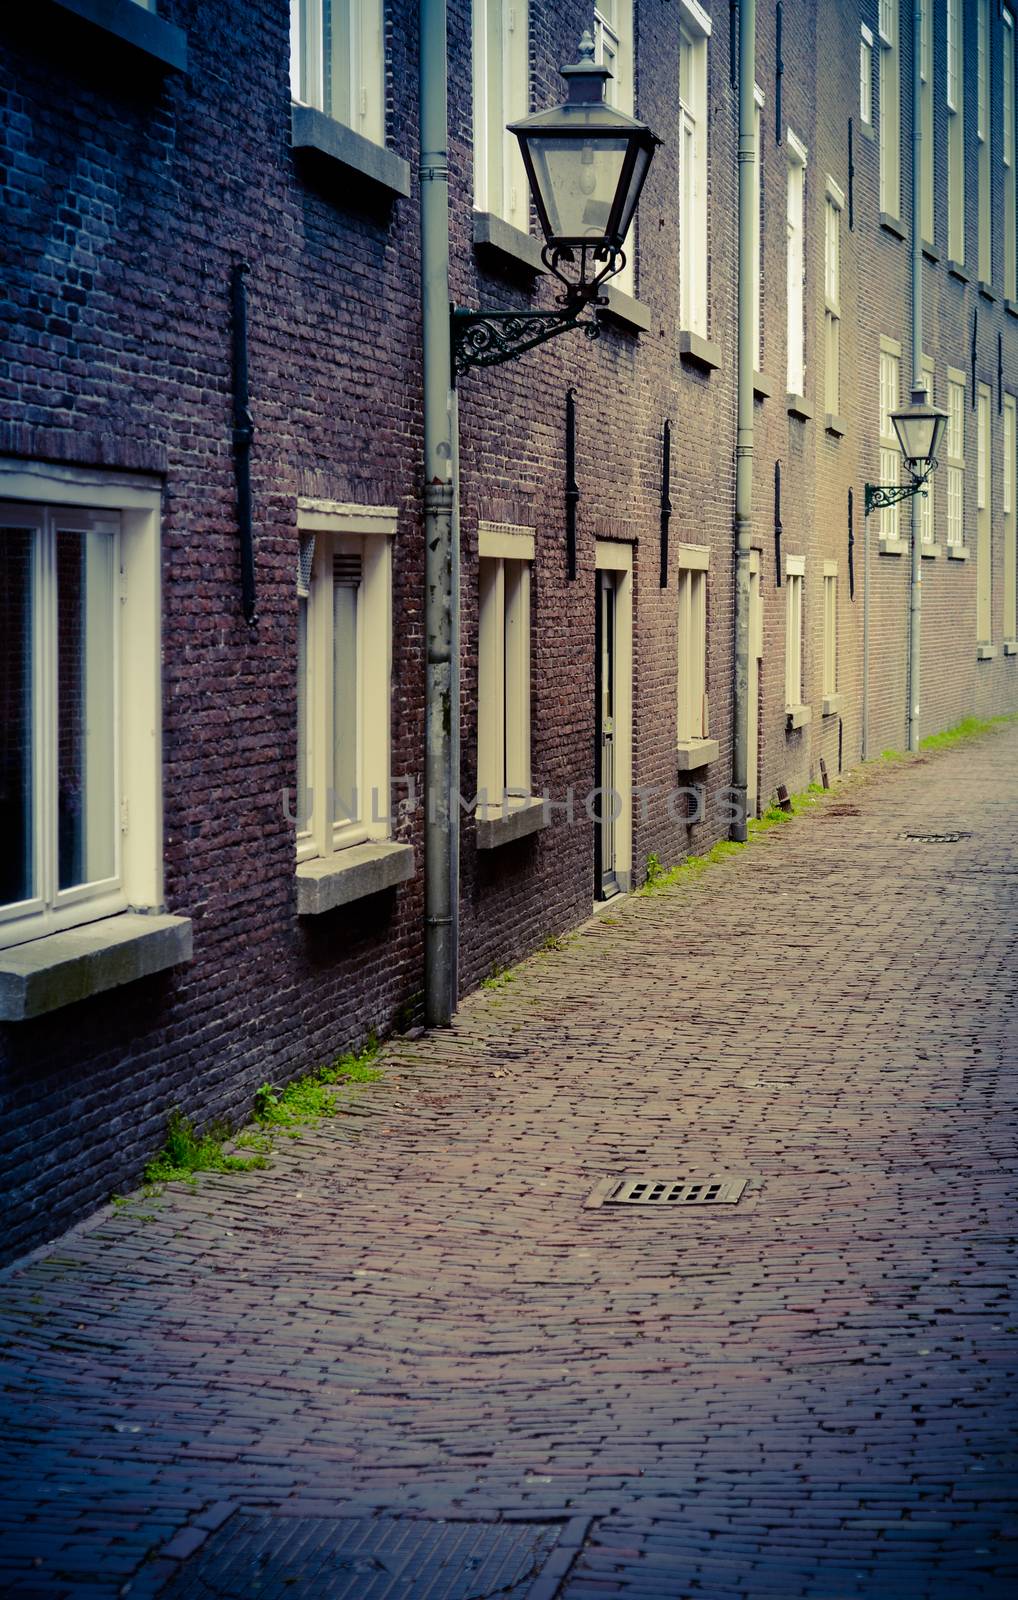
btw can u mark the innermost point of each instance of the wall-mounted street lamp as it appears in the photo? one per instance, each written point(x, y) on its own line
point(586, 164)
point(920, 428)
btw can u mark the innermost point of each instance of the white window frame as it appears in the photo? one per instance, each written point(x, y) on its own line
point(694, 81)
point(692, 709)
point(954, 446)
point(926, 502)
point(984, 231)
point(955, 96)
point(756, 257)
point(833, 208)
point(795, 234)
point(1008, 98)
point(362, 106)
point(889, 72)
point(506, 557)
point(926, 120)
point(501, 90)
point(795, 571)
point(614, 47)
point(339, 528)
point(889, 471)
point(830, 639)
point(138, 879)
point(866, 76)
point(1010, 511)
point(984, 515)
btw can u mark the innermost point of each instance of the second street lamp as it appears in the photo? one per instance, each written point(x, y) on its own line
point(586, 164)
point(920, 428)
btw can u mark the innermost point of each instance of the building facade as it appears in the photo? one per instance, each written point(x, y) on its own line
point(212, 868)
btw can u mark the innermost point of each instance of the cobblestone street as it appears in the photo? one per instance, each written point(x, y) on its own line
point(412, 1314)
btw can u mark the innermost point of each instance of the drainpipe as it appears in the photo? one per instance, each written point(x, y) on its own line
point(441, 815)
point(915, 598)
point(744, 435)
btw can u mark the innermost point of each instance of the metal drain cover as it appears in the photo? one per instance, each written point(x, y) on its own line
point(664, 1189)
point(258, 1556)
point(936, 838)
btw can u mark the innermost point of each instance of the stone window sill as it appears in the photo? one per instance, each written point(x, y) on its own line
point(1011, 647)
point(501, 244)
point(931, 252)
point(763, 388)
point(957, 552)
point(835, 425)
point(930, 552)
point(797, 717)
point(956, 270)
point(61, 968)
point(497, 827)
point(352, 874)
point(832, 704)
point(1012, 307)
point(799, 406)
point(986, 652)
point(695, 753)
point(693, 347)
point(163, 42)
point(892, 225)
point(867, 130)
point(986, 290)
point(312, 130)
point(626, 309)
point(892, 547)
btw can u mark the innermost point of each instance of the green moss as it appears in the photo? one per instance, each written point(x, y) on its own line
point(304, 1102)
point(499, 977)
point(187, 1152)
point(968, 728)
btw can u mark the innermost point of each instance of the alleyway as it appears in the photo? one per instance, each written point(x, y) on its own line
point(810, 1392)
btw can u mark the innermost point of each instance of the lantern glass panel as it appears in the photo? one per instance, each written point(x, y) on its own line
point(578, 179)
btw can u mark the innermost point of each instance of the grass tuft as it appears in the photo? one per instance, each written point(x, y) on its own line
point(304, 1102)
point(187, 1152)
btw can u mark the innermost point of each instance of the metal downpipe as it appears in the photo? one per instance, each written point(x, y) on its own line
point(744, 436)
point(915, 598)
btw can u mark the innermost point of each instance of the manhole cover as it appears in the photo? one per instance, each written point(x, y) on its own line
point(326, 1558)
point(657, 1189)
point(936, 838)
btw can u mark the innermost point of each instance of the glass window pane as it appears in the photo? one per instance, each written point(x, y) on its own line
point(347, 803)
point(16, 789)
point(86, 789)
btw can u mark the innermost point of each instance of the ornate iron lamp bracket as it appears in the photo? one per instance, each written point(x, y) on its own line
point(881, 495)
point(487, 338)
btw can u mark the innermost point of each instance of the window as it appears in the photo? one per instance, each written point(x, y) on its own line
point(794, 570)
point(758, 228)
point(984, 625)
point(796, 266)
point(692, 719)
point(983, 139)
point(830, 636)
point(866, 78)
point(501, 95)
point(337, 61)
point(890, 453)
point(1010, 517)
point(613, 48)
point(925, 502)
point(344, 649)
point(926, 120)
point(1007, 155)
point(890, 110)
point(503, 665)
point(80, 696)
point(956, 131)
point(832, 299)
point(955, 469)
point(694, 28)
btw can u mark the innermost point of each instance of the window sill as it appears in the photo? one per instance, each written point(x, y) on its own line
point(626, 309)
point(930, 252)
point(892, 225)
point(956, 270)
point(505, 245)
point(835, 425)
point(832, 704)
point(867, 130)
point(1012, 307)
point(892, 547)
point(799, 406)
point(62, 968)
point(986, 290)
point(313, 130)
point(957, 552)
point(929, 552)
point(353, 874)
point(1011, 647)
point(701, 352)
point(499, 827)
point(986, 652)
point(797, 717)
point(763, 388)
point(152, 36)
point(691, 754)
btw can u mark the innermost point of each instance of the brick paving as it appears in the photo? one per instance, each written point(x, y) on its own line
point(809, 1393)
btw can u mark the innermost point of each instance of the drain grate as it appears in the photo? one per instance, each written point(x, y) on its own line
point(936, 838)
point(658, 1189)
